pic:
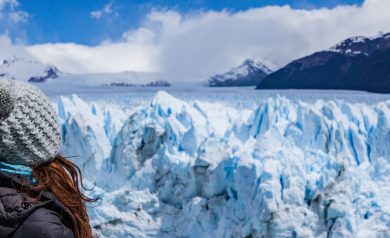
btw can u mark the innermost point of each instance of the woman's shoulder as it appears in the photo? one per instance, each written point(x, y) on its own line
point(43, 223)
point(19, 217)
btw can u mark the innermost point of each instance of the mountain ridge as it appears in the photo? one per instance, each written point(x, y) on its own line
point(336, 68)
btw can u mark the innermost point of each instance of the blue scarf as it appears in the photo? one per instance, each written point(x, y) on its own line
point(18, 170)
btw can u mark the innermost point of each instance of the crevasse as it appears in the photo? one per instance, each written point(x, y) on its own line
point(178, 168)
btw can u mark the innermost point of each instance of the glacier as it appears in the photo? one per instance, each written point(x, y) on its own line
point(192, 168)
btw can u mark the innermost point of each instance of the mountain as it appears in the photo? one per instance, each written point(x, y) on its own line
point(27, 69)
point(250, 73)
point(30, 70)
point(119, 79)
point(51, 72)
point(157, 83)
point(357, 63)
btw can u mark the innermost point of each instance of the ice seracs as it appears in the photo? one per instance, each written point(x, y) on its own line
point(195, 169)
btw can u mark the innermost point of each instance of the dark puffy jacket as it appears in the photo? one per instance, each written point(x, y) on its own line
point(19, 218)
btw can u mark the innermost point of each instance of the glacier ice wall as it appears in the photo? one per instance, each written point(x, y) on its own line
point(194, 169)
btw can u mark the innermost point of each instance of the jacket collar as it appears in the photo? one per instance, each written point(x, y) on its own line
point(11, 187)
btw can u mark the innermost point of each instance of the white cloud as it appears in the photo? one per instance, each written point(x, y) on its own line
point(9, 11)
point(187, 46)
point(105, 10)
point(10, 49)
point(96, 14)
point(18, 16)
point(104, 58)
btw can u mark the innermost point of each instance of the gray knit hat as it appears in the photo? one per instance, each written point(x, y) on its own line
point(29, 128)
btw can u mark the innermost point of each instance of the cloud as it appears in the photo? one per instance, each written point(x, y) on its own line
point(10, 49)
point(9, 12)
point(106, 10)
point(18, 16)
point(184, 47)
point(108, 57)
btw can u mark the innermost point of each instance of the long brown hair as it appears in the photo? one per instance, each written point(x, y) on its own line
point(63, 178)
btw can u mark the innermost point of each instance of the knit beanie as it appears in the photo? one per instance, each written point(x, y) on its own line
point(29, 128)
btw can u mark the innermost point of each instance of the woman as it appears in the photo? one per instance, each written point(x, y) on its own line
point(39, 189)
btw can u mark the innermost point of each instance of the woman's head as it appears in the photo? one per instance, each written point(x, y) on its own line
point(29, 128)
point(30, 136)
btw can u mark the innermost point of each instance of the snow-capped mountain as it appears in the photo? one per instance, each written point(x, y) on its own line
point(357, 63)
point(31, 70)
point(362, 45)
point(27, 69)
point(250, 73)
point(51, 72)
point(174, 168)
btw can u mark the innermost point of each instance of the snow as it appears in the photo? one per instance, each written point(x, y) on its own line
point(22, 68)
point(349, 44)
point(236, 73)
point(359, 39)
point(356, 45)
point(245, 68)
point(192, 168)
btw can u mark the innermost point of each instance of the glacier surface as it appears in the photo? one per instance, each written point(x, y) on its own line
point(190, 168)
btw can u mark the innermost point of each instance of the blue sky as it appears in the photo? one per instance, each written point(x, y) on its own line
point(181, 40)
point(89, 22)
